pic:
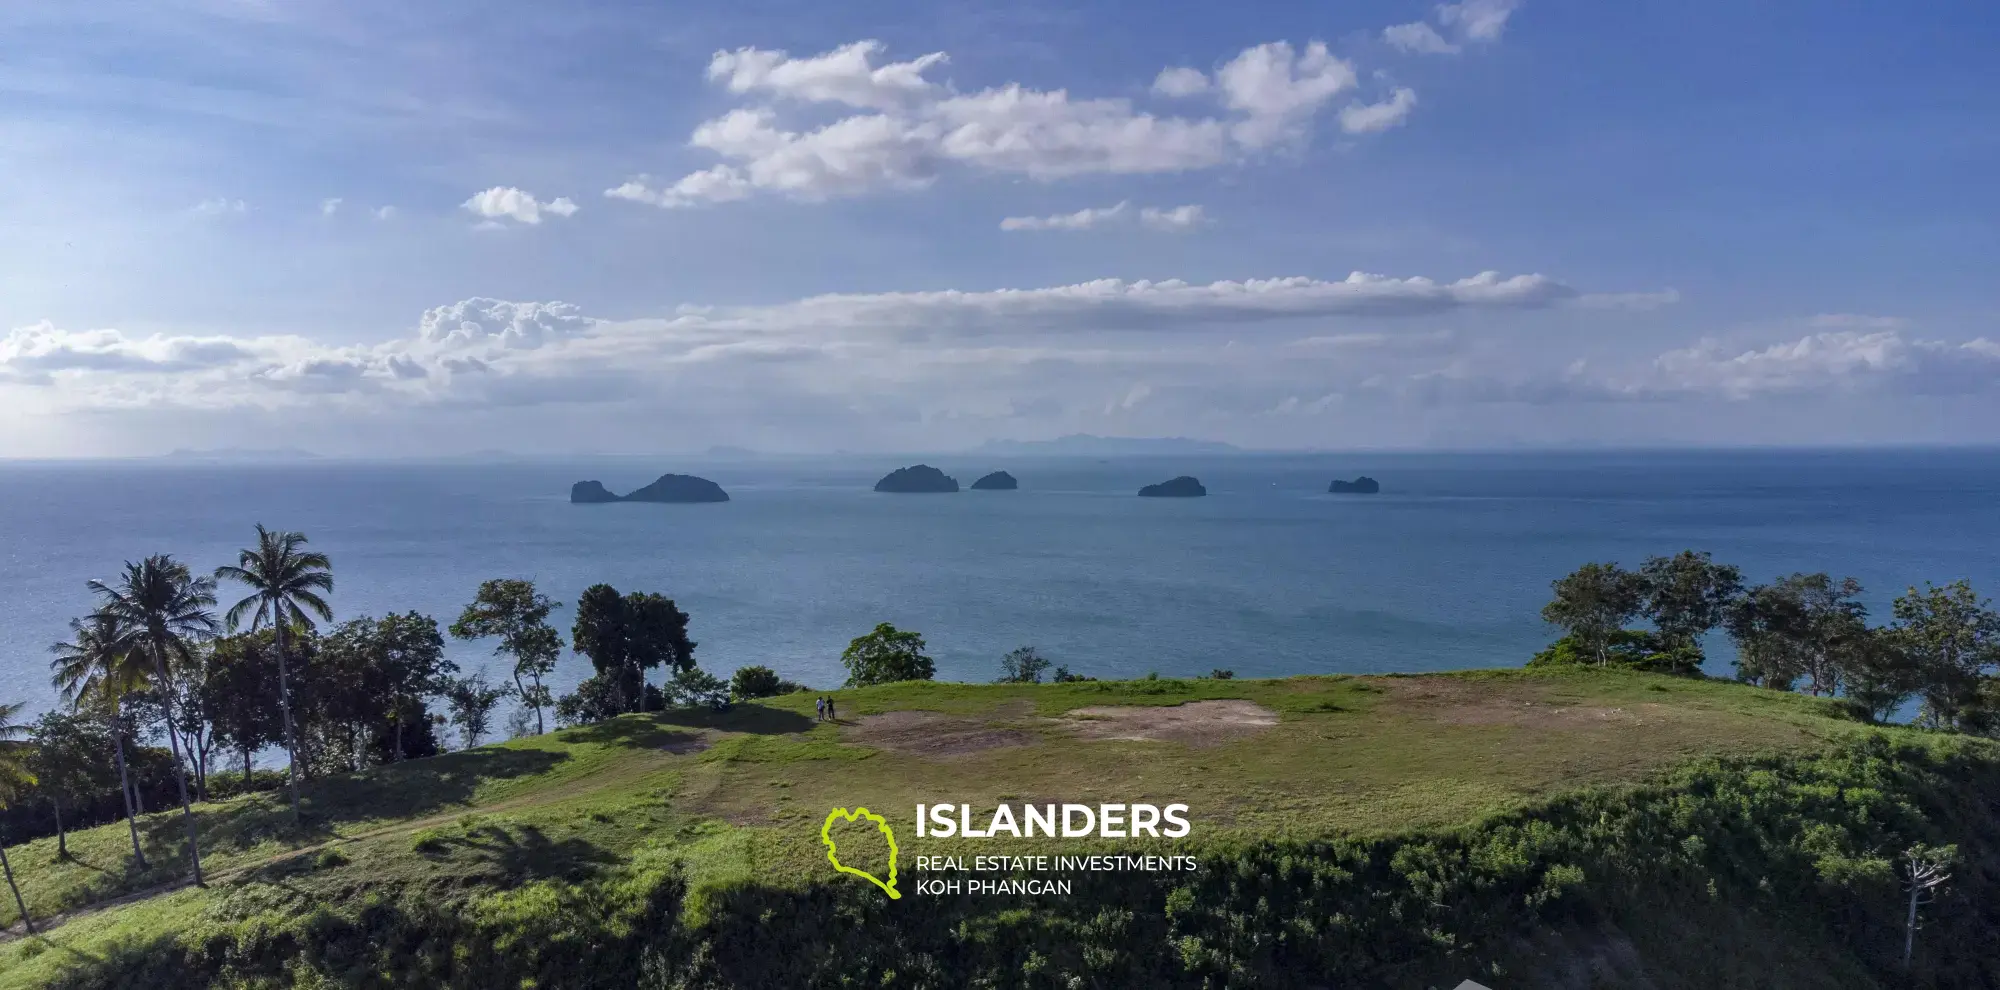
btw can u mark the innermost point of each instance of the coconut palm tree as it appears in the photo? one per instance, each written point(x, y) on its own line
point(96, 669)
point(163, 607)
point(14, 776)
point(285, 582)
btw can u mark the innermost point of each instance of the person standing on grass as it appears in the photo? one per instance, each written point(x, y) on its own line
point(830, 716)
point(820, 705)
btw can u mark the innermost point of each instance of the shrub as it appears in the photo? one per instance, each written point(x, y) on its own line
point(755, 682)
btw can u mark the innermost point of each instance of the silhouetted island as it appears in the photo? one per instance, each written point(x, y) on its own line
point(917, 478)
point(669, 488)
point(998, 481)
point(1181, 487)
point(1363, 485)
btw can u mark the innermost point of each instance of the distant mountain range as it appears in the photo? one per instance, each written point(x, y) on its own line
point(1087, 445)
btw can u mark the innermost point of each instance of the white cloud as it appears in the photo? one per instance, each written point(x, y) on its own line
point(1418, 37)
point(1857, 321)
point(512, 325)
point(1371, 118)
point(910, 129)
point(385, 213)
point(1478, 20)
point(844, 75)
point(1178, 218)
point(1179, 82)
point(516, 204)
point(41, 349)
point(221, 207)
point(328, 207)
point(1842, 359)
point(1083, 219)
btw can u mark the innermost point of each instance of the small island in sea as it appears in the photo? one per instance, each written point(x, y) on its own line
point(917, 478)
point(1363, 485)
point(668, 488)
point(1184, 486)
point(998, 481)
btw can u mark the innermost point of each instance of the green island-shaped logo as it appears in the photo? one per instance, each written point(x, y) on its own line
point(833, 855)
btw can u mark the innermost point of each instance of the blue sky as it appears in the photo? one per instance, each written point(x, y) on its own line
point(375, 227)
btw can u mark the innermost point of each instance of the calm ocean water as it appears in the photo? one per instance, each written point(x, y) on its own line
point(1267, 576)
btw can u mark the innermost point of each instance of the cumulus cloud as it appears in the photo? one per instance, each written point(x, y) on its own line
point(507, 202)
point(1179, 82)
point(511, 325)
point(1370, 118)
point(385, 213)
point(221, 207)
point(42, 348)
point(905, 129)
point(1843, 359)
point(328, 207)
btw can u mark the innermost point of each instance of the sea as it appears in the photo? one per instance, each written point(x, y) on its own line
point(1269, 575)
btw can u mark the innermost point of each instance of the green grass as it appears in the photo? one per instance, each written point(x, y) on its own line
point(731, 799)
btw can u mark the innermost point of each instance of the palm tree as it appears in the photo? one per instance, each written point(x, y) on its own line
point(97, 668)
point(163, 607)
point(14, 775)
point(285, 581)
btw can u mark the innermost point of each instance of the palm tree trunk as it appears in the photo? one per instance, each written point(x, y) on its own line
point(62, 837)
point(26, 921)
point(125, 790)
point(285, 705)
point(180, 772)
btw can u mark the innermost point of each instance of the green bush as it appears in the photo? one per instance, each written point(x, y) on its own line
point(1629, 649)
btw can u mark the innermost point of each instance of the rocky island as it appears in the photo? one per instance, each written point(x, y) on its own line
point(669, 488)
point(998, 481)
point(917, 478)
point(1363, 485)
point(1181, 487)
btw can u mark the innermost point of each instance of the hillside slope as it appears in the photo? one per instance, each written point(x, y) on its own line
point(1393, 830)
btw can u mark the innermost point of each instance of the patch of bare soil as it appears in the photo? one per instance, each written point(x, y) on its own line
point(1196, 723)
point(1457, 702)
point(933, 734)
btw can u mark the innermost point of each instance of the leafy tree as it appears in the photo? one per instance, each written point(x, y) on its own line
point(1593, 602)
point(162, 609)
point(887, 655)
point(286, 583)
point(1062, 675)
point(95, 671)
point(472, 701)
point(1953, 638)
point(1219, 674)
point(1687, 595)
point(1881, 675)
point(242, 694)
point(14, 778)
point(366, 694)
point(626, 636)
point(1802, 626)
point(1023, 665)
point(697, 688)
point(511, 609)
point(408, 651)
point(63, 758)
point(755, 682)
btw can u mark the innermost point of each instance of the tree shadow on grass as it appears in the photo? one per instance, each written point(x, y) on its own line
point(634, 732)
point(525, 852)
point(416, 787)
point(756, 719)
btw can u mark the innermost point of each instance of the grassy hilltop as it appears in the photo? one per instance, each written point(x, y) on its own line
point(1489, 824)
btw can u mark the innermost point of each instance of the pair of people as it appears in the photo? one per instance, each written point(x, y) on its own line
point(826, 708)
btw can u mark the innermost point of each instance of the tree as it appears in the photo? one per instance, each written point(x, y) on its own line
point(697, 688)
point(1687, 595)
point(95, 670)
point(163, 608)
point(286, 582)
point(1953, 637)
point(887, 655)
point(1022, 665)
point(755, 682)
point(63, 756)
point(626, 636)
point(241, 693)
point(514, 611)
point(407, 652)
point(1881, 674)
point(1802, 626)
point(1593, 602)
point(14, 778)
point(472, 701)
point(1924, 871)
